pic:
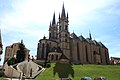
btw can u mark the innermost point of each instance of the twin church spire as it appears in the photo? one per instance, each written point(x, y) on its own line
point(63, 14)
point(53, 28)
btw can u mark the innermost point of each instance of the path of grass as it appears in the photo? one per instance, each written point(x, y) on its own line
point(111, 72)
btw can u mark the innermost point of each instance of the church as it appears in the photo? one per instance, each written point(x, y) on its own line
point(76, 49)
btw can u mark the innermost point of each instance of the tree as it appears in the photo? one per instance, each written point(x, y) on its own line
point(21, 53)
point(11, 61)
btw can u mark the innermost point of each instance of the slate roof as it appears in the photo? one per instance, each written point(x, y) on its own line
point(82, 38)
point(101, 44)
point(73, 35)
point(63, 56)
point(115, 58)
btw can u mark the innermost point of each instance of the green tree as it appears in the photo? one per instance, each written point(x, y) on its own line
point(20, 56)
point(11, 61)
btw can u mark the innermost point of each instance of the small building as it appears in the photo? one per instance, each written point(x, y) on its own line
point(54, 56)
point(11, 51)
point(115, 60)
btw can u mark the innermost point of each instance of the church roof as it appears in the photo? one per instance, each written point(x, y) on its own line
point(73, 35)
point(63, 56)
point(89, 40)
point(82, 38)
point(95, 42)
point(101, 44)
point(115, 58)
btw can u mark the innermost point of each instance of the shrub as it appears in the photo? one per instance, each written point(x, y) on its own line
point(48, 65)
point(1, 73)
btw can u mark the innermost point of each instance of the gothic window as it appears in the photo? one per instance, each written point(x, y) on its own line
point(65, 40)
point(86, 53)
point(60, 35)
point(100, 55)
point(106, 59)
point(42, 54)
point(56, 57)
point(52, 57)
point(50, 35)
point(78, 52)
point(65, 35)
point(66, 27)
point(50, 43)
point(60, 28)
point(60, 40)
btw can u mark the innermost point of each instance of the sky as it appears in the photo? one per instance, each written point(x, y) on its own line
point(29, 20)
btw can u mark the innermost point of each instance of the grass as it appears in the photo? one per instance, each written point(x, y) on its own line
point(3, 79)
point(111, 72)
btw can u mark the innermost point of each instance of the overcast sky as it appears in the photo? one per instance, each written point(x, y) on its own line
point(29, 20)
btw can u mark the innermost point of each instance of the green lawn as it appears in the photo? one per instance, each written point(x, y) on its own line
point(76, 72)
point(2, 79)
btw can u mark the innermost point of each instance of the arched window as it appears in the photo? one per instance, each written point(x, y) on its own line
point(66, 27)
point(86, 53)
point(60, 28)
point(65, 35)
point(56, 57)
point(50, 35)
point(65, 40)
point(78, 52)
point(42, 54)
point(52, 57)
point(100, 55)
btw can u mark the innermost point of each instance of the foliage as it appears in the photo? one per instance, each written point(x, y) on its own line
point(11, 61)
point(63, 70)
point(1, 73)
point(111, 72)
point(48, 65)
point(3, 79)
point(21, 53)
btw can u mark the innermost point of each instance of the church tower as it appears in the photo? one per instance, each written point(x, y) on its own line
point(53, 30)
point(0, 45)
point(64, 41)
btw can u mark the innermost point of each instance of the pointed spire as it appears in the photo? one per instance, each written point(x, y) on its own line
point(53, 21)
point(59, 15)
point(21, 41)
point(67, 15)
point(90, 35)
point(50, 24)
point(63, 11)
point(44, 37)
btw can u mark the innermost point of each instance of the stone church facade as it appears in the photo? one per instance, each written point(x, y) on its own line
point(77, 49)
